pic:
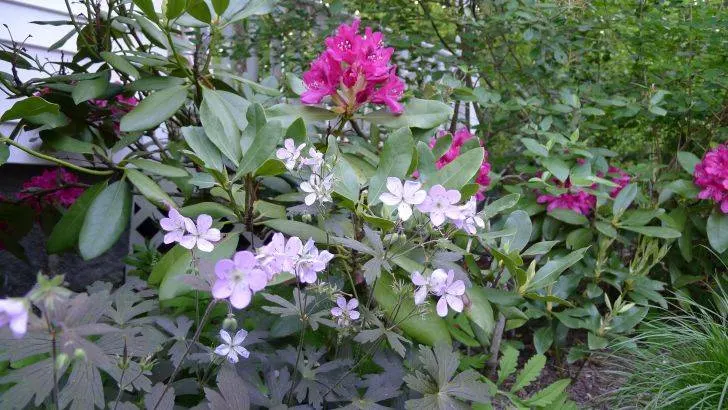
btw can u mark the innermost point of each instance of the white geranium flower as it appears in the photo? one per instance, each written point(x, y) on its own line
point(231, 347)
point(290, 153)
point(318, 189)
point(403, 196)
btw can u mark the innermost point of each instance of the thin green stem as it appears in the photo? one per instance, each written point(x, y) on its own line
point(37, 154)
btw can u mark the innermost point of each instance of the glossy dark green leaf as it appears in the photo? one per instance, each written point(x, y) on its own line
point(717, 229)
point(203, 147)
point(219, 124)
point(105, 220)
point(120, 63)
point(417, 114)
point(65, 234)
point(158, 168)
point(89, 89)
point(29, 107)
point(300, 229)
point(150, 189)
point(264, 145)
point(154, 109)
point(459, 172)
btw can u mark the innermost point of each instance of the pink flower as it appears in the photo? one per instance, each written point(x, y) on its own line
point(575, 199)
point(711, 174)
point(15, 313)
point(280, 255)
point(470, 221)
point(238, 278)
point(403, 196)
point(50, 188)
point(440, 203)
point(449, 290)
point(620, 178)
point(423, 287)
point(310, 262)
point(175, 225)
point(354, 70)
point(345, 312)
point(201, 234)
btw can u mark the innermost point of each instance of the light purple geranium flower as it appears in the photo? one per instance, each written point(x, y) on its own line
point(345, 312)
point(238, 278)
point(440, 203)
point(15, 313)
point(403, 196)
point(423, 287)
point(315, 159)
point(450, 291)
point(311, 261)
point(175, 226)
point(201, 234)
point(470, 221)
point(231, 347)
point(290, 153)
point(280, 255)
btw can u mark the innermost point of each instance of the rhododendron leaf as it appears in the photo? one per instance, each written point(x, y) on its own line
point(297, 130)
point(417, 114)
point(4, 153)
point(549, 272)
point(394, 162)
point(158, 168)
point(543, 338)
point(535, 147)
point(346, 182)
point(624, 199)
point(568, 216)
point(427, 328)
point(147, 7)
point(480, 311)
point(558, 167)
point(105, 220)
point(295, 84)
point(425, 162)
point(89, 89)
point(147, 187)
point(214, 209)
point(120, 64)
point(199, 10)
point(156, 400)
point(154, 109)
point(299, 229)
point(176, 259)
point(244, 9)
point(459, 172)
point(203, 147)
point(220, 125)
point(687, 161)
point(521, 222)
point(288, 113)
point(654, 231)
point(717, 229)
point(65, 233)
point(263, 145)
point(29, 107)
point(499, 205)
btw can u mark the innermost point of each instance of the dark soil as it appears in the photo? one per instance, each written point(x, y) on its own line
point(591, 381)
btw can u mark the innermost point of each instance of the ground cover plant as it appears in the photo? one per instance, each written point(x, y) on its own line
point(344, 235)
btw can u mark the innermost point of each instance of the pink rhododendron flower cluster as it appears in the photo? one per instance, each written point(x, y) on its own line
point(619, 177)
point(354, 70)
point(113, 109)
point(52, 187)
point(239, 278)
point(575, 199)
point(458, 139)
point(711, 174)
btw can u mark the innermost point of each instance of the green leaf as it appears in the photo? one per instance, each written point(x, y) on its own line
point(297, 131)
point(508, 363)
point(717, 230)
point(549, 394)
point(177, 259)
point(558, 167)
point(394, 162)
point(213, 209)
point(60, 142)
point(250, 8)
point(30, 107)
point(264, 144)
point(624, 199)
point(596, 342)
point(105, 220)
point(687, 161)
point(568, 216)
point(149, 188)
point(499, 205)
point(288, 113)
point(480, 311)
point(427, 328)
point(89, 89)
point(4, 153)
point(535, 147)
point(271, 167)
point(203, 147)
point(147, 7)
point(158, 168)
point(425, 162)
point(220, 6)
point(539, 248)
point(459, 172)
point(549, 272)
point(519, 221)
point(654, 231)
point(65, 233)
point(154, 83)
point(300, 229)
point(543, 338)
point(154, 109)
point(417, 114)
point(219, 125)
point(199, 10)
point(175, 8)
point(120, 64)
point(530, 372)
point(295, 84)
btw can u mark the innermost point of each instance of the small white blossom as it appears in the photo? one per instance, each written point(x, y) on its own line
point(290, 153)
point(231, 347)
point(315, 159)
point(318, 189)
point(403, 196)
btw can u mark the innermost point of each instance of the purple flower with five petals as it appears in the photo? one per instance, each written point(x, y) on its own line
point(311, 261)
point(441, 203)
point(449, 290)
point(238, 278)
point(345, 312)
point(174, 224)
point(201, 234)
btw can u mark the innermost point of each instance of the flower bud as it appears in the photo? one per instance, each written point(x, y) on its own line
point(79, 354)
point(61, 361)
point(230, 323)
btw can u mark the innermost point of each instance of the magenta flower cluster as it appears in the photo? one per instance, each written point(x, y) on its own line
point(458, 139)
point(112, 109)
point(54, 187)
point(354, 70)
point(711, 175)
point(579, 200)
point(239, 278)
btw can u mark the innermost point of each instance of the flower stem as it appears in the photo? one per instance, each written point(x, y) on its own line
point(195, 338)
point(37, 154)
